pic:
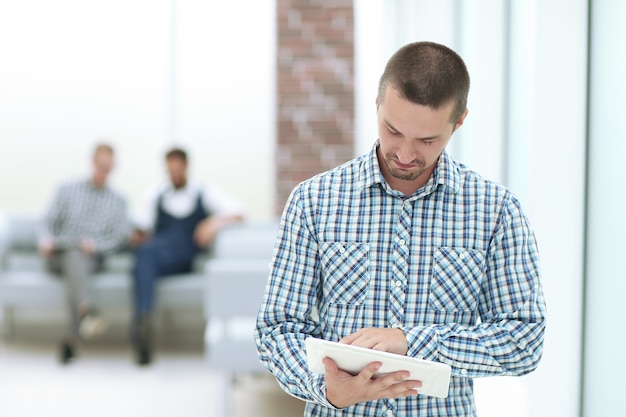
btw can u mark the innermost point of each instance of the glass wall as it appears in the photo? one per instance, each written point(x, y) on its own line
point(526, 129)
point(605, 279)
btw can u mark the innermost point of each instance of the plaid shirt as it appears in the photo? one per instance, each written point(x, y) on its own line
point(80, 210)
point(455, 266)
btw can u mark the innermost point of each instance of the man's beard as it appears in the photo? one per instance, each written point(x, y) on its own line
point(405, 175)
point(179, 183)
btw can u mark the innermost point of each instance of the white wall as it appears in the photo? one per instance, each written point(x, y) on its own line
point(227, 105)
point(144, 74)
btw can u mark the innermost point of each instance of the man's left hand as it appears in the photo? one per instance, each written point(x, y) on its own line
point(384, 339)
point(205, 232)
point(88, 246)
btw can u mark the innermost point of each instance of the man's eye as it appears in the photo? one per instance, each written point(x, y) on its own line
point(393, 132)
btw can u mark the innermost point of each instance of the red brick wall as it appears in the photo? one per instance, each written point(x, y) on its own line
point(315, 90)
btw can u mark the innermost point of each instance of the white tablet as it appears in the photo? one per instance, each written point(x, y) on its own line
point(435, 376)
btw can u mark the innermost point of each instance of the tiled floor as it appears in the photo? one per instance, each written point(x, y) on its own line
point(105, 382)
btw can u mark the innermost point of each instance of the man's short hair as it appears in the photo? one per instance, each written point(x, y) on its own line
point(103, 148)
point(176, 153)
point(428, 74)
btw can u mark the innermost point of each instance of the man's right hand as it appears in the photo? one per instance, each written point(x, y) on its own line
point(344, 389)
point(45, 249)
point(136, 238)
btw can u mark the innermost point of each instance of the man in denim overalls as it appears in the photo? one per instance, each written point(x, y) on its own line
point(181, 220)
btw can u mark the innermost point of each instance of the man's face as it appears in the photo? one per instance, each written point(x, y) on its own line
point(412, 137)
point(177, 170)
point(102, 166)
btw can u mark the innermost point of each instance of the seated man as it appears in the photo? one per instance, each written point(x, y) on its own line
point(179, 220)
point(85, 221)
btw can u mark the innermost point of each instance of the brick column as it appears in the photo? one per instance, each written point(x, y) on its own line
point(315, 88)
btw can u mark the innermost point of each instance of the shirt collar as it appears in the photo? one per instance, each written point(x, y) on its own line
point(370, 173)
point(169, 189)
point(92, 187)
point(446, 173)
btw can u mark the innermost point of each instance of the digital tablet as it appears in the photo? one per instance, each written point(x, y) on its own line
point(435, 376)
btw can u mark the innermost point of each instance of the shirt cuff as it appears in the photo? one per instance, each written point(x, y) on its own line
point(422, 342)
point(318, 391)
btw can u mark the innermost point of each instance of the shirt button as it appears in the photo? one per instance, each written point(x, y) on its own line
point(342, 249)
point(461, 256)
point(401, 242)
point(420, 357)
point(398, 284)
point(463, 372)
point(389, 413)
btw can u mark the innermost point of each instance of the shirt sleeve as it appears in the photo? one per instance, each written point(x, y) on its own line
point(144, 217)
point(285, 318)
point(53, 216)
point(218, 203)
point(509, 338)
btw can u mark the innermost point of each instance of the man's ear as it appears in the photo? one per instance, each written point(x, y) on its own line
point(376, 103)
point(461, 119)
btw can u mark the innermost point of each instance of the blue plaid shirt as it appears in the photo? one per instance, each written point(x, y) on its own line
point(455, 266)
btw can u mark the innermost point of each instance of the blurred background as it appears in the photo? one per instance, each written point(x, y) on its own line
point(265, 93)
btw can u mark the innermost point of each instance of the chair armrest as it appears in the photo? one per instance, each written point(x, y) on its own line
point(234, 287)
point(4, 241)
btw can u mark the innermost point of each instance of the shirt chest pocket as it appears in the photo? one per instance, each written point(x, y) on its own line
point(345, 272)
point(456, 279)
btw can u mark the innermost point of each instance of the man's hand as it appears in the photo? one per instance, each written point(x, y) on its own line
point(46, 248)
point(386, 340)
point(136, 238)
point(343, 389)
point(87, 245)
point(206, 231)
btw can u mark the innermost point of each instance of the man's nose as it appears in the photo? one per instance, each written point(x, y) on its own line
point(405, 153)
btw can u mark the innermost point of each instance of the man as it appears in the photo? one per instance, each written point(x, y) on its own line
point(179, 220)
point(85, 221)
point(407, 251)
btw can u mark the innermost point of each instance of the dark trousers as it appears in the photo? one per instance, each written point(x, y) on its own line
point(156, 258)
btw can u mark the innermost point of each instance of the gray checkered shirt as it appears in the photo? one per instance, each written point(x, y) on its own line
point(80, 210)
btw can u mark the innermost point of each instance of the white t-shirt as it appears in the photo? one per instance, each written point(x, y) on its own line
point(182, 202)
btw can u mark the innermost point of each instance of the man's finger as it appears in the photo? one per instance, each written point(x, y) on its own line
point(368, 372)
point(349, 338)
point(330, 365)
